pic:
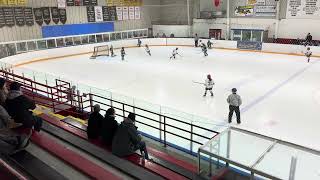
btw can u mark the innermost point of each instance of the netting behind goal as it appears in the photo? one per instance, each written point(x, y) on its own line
point(100, 51)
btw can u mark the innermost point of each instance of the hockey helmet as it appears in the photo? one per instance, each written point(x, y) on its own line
point(234, 90)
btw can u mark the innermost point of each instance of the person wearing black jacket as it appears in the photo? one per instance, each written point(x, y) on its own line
point(94, 123)
point(19, 108)
point(109, 127)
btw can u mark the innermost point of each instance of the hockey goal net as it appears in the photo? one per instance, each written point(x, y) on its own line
point(100, 51)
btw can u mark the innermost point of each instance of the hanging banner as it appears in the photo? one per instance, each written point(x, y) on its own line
point(61, 3)
point(131, 12)
point(70, 2)
point(244, 11)
point(137, 12)
point(55, 15)
point(19, 16)
point(105, 12)
point(113, 13)
point(63, 16)
point(46, 15)
point(119, 13)
point(125, 13)
point(265, 10)
point(93, 2)
point(303, 9)
point(12, 2)
point(98, 13)
point(28, 16)
point(109, 2)
point(91, 14)
point(251, 2)
point(38, 16)
point(8, 16)
point(2, 22)
point(3, 2)
point(86, 2)
point(21, 2)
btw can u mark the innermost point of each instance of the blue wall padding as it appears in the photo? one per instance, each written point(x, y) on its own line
point(76, 29)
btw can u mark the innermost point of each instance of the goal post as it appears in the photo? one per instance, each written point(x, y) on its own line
point(100, 51)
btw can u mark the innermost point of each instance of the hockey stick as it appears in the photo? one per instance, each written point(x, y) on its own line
point(198, 82)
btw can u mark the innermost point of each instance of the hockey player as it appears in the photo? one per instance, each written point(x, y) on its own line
point(209, 44)
point(174, 53)
point(208, 85)
point(204, 49)
point(148, 50)
point(123, 53)
point(111, 51)
point(308, 54)
point(139, 43)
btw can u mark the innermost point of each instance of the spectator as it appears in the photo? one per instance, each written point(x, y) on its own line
point(308, 39)
point(3, 91)
point(127, 140)
point(158, 35)
point(71, 95)
point(109, 127)
point(171, 35)
point(164, 35)
point(19, 108)
point(94, 123)
point(234, 101)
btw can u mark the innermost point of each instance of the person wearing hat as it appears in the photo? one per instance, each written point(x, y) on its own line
point(234, 101)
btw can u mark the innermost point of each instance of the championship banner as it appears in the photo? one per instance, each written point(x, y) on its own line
point(251, 2)
point(125, 13)
point(119, 13)
point(303, 9)
point(93, 2)
point(12, 2)
point(91, 14)
point(86, 2)
point(28, 16)
point(120, 3)
point(61, 3)
point(8, 16)
point(38, 16)
point(77, 3)
point(113, 13)
point(244, 11)
point(109, 2)
point(106, 14)
point(63, 16)
point(55, 15)
point(70, 2)
point(19, 16)
point(46, 15)
point(137, 12)
point(2, 22)
point(98, 13)
point(131, 12)
point(3, 2)
point(22, 2)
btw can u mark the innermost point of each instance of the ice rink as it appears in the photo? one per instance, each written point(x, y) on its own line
point(280, 93)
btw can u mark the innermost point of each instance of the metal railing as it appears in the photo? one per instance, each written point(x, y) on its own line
point(60, 98)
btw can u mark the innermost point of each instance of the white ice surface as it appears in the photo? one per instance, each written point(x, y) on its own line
point(281, 93)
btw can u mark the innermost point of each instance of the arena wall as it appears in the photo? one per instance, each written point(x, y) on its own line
point(50, 54)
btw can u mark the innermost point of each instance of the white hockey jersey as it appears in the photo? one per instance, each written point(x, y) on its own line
point(174, 52)
point(308, 53)
point(209, 84)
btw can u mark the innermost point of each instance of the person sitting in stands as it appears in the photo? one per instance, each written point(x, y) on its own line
point(19, 108)
point(3, 91)
point(127, 140)
point(171, 35)
point(109, 127)
point(164, 35)
point(94, 123)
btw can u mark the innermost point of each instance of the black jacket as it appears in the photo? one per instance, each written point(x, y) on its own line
point(94, 125)
point(109, 128)
point(19, 108)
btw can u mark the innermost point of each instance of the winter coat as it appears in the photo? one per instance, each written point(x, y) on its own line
point(94, 125)
point(126, 139)
point(234, 100)
point(19, 108)
point(108, 130)
point(3, 95)
point(4, 118)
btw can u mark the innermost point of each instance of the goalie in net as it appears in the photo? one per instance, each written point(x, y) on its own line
point(100, 51)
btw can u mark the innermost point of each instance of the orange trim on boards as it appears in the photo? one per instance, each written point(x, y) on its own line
point(83, 53)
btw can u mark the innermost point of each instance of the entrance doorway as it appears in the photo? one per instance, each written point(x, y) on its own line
point(215, 33)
